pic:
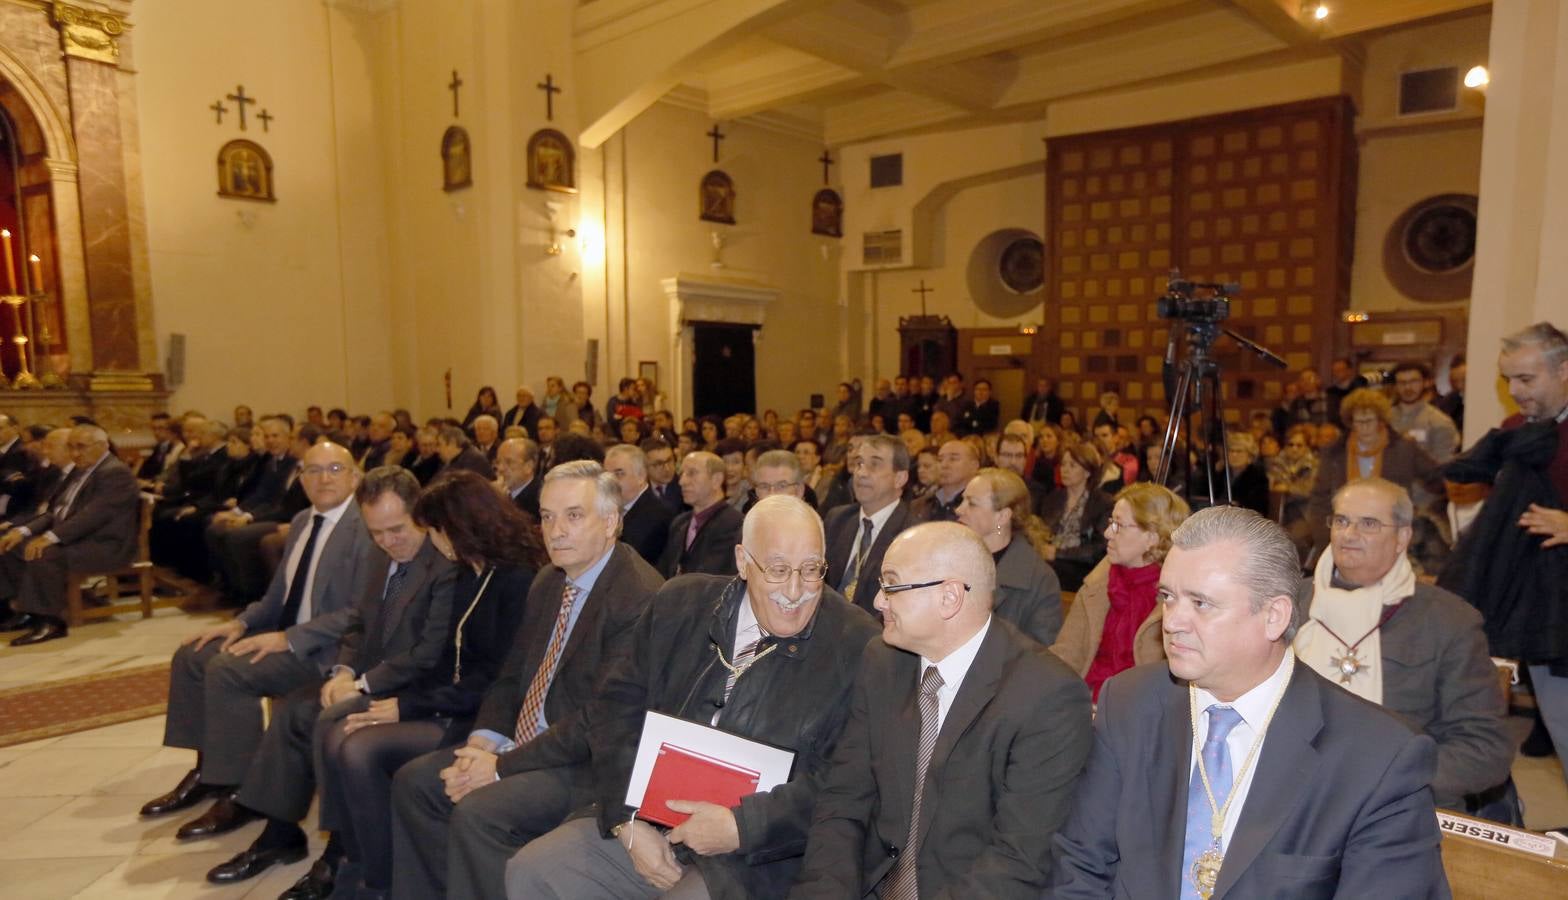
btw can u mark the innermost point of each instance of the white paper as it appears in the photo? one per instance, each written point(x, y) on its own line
point(657, 729)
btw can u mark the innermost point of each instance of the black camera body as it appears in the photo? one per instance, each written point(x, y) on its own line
point(1195, 301)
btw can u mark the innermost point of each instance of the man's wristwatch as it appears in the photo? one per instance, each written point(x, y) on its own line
point(361, 685)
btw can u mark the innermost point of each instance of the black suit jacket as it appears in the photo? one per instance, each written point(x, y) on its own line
point(999, 784)
point(16, 478)
point(393, 640)
point(527, 499)
point(1339, 805)
point(712, 551)
point(646, 526)
point(472, 459)
point(842, 529)
point(603, 628)
point(98, 531)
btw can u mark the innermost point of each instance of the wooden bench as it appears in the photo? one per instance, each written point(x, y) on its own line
point(1487, 861)
point(128, 589)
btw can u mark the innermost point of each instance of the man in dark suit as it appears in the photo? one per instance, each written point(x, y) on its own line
point(964, 741)
point(165, 449)
point(233, 536)
point(379, 440)
point(525, 765)
point(1043, 405)
point(1183, 796)
point(645, 520)
point(54, 466)
point(790, 647)
point(16, 468)
point(660, 457)
point(703, 538)
point(525, 413)
point(858, 534)
point(457, 452)
point(517, 464)
point(956, 462)
point(394, 634)
point(90, 527)
point(1424, 654)
point(283, 641)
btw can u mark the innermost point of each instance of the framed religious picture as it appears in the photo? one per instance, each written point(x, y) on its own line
point(716, 200)
point(827, 213)
point(552, 163)
point(456, 162)
point(245, 171)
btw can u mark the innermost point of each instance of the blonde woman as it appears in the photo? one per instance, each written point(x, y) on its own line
point(1370, 449)
point(996, 507)
point(1114, 623)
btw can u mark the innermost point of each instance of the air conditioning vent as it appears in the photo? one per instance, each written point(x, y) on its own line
point(882, 248)
point(1427, 91)
point(887, 171)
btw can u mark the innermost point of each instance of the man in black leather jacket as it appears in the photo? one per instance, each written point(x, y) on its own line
point(792, 692)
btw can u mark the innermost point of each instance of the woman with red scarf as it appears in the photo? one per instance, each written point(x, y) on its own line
point(1114, 622)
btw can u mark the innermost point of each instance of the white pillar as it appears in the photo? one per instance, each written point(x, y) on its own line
point(1521, 269)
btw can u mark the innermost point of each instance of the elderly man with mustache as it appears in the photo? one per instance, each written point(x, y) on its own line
point(769, 655)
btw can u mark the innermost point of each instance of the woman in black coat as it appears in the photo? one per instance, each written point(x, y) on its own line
point(498, 551)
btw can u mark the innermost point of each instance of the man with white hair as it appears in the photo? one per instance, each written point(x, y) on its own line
point(1334, 791)
point(767, 655)
point(997, 733)
point(645, 519)
point(1412, 648)
point(89, 528)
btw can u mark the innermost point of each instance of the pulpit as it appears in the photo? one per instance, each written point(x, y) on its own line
point(927, 345)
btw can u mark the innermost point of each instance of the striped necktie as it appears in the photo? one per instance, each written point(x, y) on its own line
point(533, 701)
point(903, 881)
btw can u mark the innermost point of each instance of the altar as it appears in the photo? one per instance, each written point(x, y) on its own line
point(76, 331)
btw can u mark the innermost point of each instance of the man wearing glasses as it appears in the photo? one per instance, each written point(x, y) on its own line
point(1412, 648)
point(964, 743)
point(286, 640)
point(768, 655)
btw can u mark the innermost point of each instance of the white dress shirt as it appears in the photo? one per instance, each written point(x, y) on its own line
point(878, 520)
point(1253, 707)
point(953, 668)
point(331, 518)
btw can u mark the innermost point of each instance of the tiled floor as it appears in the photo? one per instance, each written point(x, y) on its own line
point(68, 805)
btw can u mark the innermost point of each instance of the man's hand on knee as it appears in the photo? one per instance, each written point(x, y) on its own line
point(473, 769)
point(260, 646)
point(227, 633)
point(35, 548)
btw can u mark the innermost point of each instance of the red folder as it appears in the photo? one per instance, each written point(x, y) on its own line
point(682, 774)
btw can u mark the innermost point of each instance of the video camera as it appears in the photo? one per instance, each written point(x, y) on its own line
point(1195, 301)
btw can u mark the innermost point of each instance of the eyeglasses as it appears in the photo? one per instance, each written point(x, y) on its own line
point(776, 487)
point(1365, 524)
point(811, 571)
point(329, 469)
point(891, 589)
point(1117, 527)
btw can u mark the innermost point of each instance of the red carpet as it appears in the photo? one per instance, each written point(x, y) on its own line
point(54, 708)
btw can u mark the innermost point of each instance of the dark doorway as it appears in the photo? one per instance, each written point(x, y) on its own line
point(724, 377)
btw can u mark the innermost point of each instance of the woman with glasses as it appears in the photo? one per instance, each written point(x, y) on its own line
point(996, 507)
point(1114, 623)
point(498, 552)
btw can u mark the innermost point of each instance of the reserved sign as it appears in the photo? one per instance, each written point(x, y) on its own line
point(1500, 835)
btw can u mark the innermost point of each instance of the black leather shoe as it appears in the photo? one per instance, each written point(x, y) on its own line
point(252, 862)
point(189, 792)
point(44, 630)
point(313, 885)
point(221, 818)
point(18, 622)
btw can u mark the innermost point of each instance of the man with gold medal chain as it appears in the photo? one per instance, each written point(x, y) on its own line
point(1229, 771)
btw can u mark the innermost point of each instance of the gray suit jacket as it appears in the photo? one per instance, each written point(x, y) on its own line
point(393, 640)
point(1339, 805)
point(999, 784)
point(98, 531)
point(1028, 593)
point(344, 562)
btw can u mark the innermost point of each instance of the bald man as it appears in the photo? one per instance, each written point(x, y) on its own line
point(964, 743)
point(90, 528)
point(276, 645)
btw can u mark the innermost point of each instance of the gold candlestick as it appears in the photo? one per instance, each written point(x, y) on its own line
point(38, 327)
point(25, 379)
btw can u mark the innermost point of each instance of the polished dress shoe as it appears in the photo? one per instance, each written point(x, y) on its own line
point(221, 818)
point(252, 862)
point(189, 792)
point(313, 885)
point(43, 630)
point(18, 622)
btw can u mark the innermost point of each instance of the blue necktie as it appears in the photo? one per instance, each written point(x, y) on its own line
point(1216, 759)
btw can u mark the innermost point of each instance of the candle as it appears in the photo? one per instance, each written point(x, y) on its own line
point(36, 269)
point(10, 263)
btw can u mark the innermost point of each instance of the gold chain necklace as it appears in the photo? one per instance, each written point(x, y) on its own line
point(1206, 868)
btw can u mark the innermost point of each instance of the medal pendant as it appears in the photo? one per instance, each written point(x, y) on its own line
point(1206, 871)
point(1348, 665)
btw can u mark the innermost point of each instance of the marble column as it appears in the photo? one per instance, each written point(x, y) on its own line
point(1520, 267)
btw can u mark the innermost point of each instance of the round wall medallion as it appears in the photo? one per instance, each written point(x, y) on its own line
point(1022, 265)
point(1429, 251)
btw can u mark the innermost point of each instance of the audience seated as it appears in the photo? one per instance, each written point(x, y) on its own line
point(1026, 592)
point(457, 452)
point(233, 536)
point(1114, 622)
point(956, 463)
point(517, 468)
point(703, 538)
point(858, 534)
point(1076, 515)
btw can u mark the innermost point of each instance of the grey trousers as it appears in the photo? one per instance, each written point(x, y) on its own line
point(574, 863)
point(282, 776)
point(439, 849)
point(215, 709)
